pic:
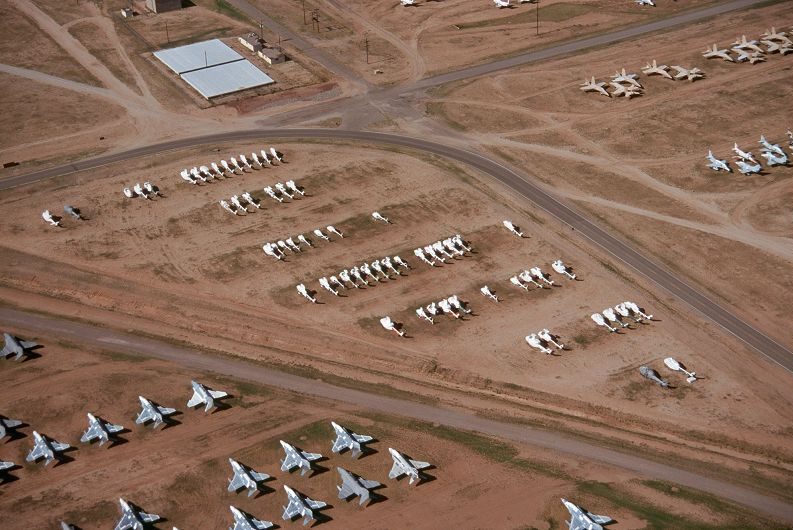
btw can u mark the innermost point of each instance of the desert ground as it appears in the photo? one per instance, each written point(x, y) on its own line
point(182, 269)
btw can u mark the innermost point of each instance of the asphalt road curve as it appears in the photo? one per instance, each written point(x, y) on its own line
point(620, 250)
point(109, 340)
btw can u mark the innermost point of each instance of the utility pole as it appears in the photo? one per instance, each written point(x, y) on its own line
point(261, 30)
point(538, 17)
point(315, 19)
point(304, 12)
point(167, 37)
point(366, 45)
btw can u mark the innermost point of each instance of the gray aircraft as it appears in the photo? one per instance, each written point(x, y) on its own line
point(5, 467)
point(205, 396)
point(245, 477)
point(6, 424)
point(99, 429)
point(66, 526)
point(133, 518)
point(16, 347)
point(245, 521)
point(300, 505)
point(581, 519)
point(152, 412)
point(653, 376)
point(294, 457)
point(45, 448)
point(405, 466)
point(353, 485)
point(346, 439)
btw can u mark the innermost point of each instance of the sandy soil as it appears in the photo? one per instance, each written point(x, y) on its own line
point(180, 472)
point(182, 258)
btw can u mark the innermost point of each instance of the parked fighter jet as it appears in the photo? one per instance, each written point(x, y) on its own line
point(353, 485)
point(716, 164)
point(773, 159)
point(405, 466)
point(652, 375)
point(133, 518)
point(5, 467)
point(501, 3)
point(346, 439)
point(771, 147)
point(774, 35)
point(744, 155)
point(152, 412)
point(204, 395)
point(300, 505)
point(624, 77)
point(45, 448)
point(245, 521)
point(747, 168)
point(645, 2)
point(16, 347)
point(99, 429)
point(581, 519)
point(622, 90)
point(743, 44)
point(691, 74)
point(407, 2)
point(594, 86)
point(713, 52)
point(245, 477)
point(656, 69)
point(752, 57)
point(6, 424)
point(294, 457)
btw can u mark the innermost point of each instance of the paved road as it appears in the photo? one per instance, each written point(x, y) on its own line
point(533, 192)
point(94, 336)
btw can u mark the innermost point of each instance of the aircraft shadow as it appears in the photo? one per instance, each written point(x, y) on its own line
point(30, 354)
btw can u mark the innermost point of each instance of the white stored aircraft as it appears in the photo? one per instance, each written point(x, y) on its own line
point(752, 58)
point(624, 77)
point(16, 347)
point(501, 3)
point(133, 518)
point(622, 90)
point(99, 429)
point(245, 521)
point(205, 396)
point(150, 411)
point(353, 485)
point(672, 364)
point(714, 52)
point(716, 164)
point(774, 35)
point(45, 448)
point(656, 69)
point(300, 505)
point(406, 466)
point(245, 477)
point(744, 155)
point(581, 519)
point(773, 159)
point(595, 86)
point(645, 2)
point(346, 439)
point(690, 74)
point(408, 2)
point(771, 147)
point(6, 424)
point(294, 457)
point(743, 44)
point(747, 168)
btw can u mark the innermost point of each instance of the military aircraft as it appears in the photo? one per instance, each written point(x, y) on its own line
point(645, 2)
point(714, 51)
point(716, 164)
point(624, 77)
point(99, 429)
point(353, 485)
point(594, 86)
point(204, 395)
point(66, 526)
point(771, 147)
point(17, 347)
point(743, 44)
point(300, 505)
point(407, 2)
point(406, 466)
point(622, 90)
point(774, 35)
point(501, 3)
point(245, 521)
point(5, 467)
point(754, 57)
point(747, 168)
point(6, 424)
point(45, 448)
point(346, 439)
point(744, 155)
point(773, 159)
point(656, 69)
point(245, 477)
point(152, 412)
point(686, 73)
point(653, 376)
point(294, 457)
point(581, 519)
point(133, 518)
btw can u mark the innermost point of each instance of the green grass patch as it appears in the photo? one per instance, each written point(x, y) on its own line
point(223, 7)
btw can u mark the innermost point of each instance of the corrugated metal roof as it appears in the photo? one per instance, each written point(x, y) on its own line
point(198, 55)
point(226, 78)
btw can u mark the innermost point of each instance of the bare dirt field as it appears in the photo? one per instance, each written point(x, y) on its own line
point(180, 266)
point(639, 165)
point(181, 472)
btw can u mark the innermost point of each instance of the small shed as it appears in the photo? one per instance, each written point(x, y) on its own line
point(271, 55)
point(161, 6)
point(253, 42)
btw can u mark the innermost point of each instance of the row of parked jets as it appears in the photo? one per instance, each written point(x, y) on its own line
point(627, 85)
point(750, 50)
point(745, 160)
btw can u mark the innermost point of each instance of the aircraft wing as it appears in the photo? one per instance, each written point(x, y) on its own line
point(600, 519)
point(293, 508)
point(345, 490)
point(113, 428)
point(145, 415)
point(369, 484)
point(311, 456)
point(261, 525)
point(148, 517)
point(28, 344)
point(6, 351)
point(58, 446)
point(362, 438)
point(126, 521)
point(259, 476)
point(315, 505)
point(290, 460)
point(38, 451)
point(94, 431)
point(236, 482)
point(396, 470)
point(418, 464)
point(218, 394)
point(341, 442)
point(165, 410)
point(195, 400)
